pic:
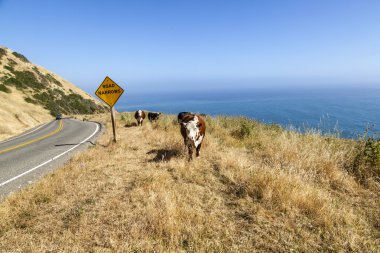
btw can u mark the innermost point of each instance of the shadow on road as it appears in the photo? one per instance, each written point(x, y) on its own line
point(73, 144)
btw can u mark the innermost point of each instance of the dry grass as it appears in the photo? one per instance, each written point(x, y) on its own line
point(16, 115)
point(255, 188)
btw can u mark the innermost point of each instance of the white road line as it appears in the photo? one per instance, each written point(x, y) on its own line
point(52, 159)
point(15, 138)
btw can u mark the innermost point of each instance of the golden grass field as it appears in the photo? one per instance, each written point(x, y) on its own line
point(255, 188)
point(17, 115)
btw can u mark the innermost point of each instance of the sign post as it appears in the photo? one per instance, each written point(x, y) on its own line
point(113, 124)
point(110, 92)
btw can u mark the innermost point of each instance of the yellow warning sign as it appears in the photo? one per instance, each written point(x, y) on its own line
point(109, 92)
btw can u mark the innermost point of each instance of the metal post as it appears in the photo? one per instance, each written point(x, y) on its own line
point(113, 124)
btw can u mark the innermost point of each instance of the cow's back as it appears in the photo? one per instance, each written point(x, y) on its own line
point(202, 127)
point(153, 116)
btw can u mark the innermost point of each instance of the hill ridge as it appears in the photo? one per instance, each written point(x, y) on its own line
point(30, 94)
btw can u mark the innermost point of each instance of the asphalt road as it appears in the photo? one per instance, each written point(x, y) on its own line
point(27, 157)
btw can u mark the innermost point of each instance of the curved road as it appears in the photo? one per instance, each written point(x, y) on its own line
point(25, 158)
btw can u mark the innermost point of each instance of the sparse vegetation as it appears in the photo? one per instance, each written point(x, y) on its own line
point(11, 62)
point(366, 166)
point(29, 100)
point(4, 88)
point(55, 100)
point(245, 129)
point(20, 56)
point(2, 52)
point(46, 79)
point(50, 78)
point(23, 80)
point(272, 191)
point(10, 68)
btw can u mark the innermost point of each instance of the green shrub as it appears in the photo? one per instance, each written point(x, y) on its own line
point(53, 80)
point(54, 108)
point(41, 97)
point(23, 80)
point(13, 81)
point(4, 88)
point(245, 129)
point(56, 93)
point(29, 100)
point(367, 161)
point(2, 52)
point(10, 68)
point(56, 101)
point(20, 56)
point(46, 79)
point(42, 77)
point(11, 62)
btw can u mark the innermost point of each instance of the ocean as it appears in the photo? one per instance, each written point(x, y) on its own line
point(346, 112)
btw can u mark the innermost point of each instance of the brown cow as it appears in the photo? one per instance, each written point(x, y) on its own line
point(193, 129)
point(140, 116)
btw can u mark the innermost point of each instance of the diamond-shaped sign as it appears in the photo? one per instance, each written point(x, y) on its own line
point(109, 92)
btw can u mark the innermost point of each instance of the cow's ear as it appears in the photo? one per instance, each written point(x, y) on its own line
point(199, 124)
point(183, 123)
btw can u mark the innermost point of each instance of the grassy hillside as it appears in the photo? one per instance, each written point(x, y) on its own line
point(255, 188)
point(30, 95)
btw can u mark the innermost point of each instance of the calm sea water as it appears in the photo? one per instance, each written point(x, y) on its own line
point(345, 111)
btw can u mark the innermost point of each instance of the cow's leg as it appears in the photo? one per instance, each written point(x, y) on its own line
point(190, 147)
point(185, 141)
point(198, 150)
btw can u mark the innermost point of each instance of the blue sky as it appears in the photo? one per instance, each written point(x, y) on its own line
point(176, 45)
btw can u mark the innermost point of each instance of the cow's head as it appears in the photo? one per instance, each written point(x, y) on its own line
point(192, 129)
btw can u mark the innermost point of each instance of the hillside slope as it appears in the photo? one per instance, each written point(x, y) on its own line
point(30, 95)
point(256, 188)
